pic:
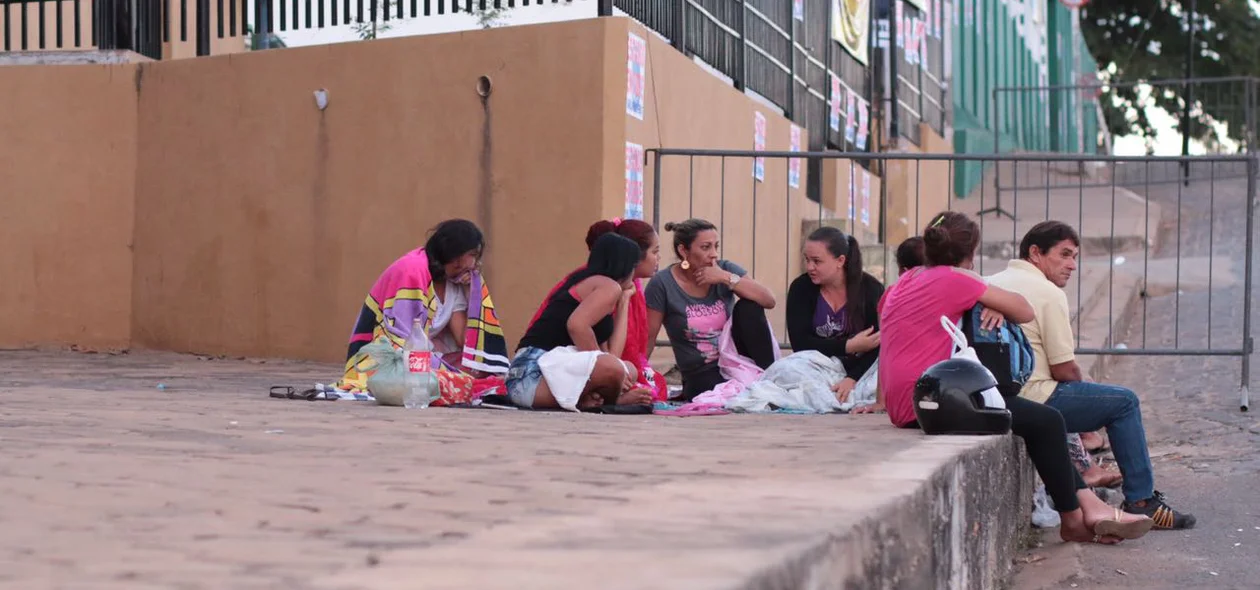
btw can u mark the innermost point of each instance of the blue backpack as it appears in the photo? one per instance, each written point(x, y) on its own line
point(1005, 351)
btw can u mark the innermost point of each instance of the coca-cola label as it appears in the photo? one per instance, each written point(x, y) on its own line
point(420, 361)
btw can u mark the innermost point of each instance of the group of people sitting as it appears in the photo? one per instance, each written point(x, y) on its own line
point(711, 309)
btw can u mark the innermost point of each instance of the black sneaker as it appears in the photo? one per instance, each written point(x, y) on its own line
point(1164, 516)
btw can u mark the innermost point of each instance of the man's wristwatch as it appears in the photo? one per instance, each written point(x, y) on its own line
point(733, 280)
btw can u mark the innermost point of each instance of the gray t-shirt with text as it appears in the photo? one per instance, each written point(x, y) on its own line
point(692, 324)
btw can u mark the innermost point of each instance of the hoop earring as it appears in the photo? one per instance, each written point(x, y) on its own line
point(685, 265)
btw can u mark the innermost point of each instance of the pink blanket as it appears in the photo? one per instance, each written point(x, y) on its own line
point(739, 370)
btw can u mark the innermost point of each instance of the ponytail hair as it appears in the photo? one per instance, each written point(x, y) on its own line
point(840, 244)
point(950, 239)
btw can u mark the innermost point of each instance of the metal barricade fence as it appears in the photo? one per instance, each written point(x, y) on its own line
point(1167, 267)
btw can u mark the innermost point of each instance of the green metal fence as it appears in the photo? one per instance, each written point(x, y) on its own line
point(1004, 44)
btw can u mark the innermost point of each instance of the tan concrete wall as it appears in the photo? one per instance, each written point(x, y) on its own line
point(266, 221)
point(67, 186)
point(917, 189)
point(687, 107)
point(263, 221)
point(839, 177)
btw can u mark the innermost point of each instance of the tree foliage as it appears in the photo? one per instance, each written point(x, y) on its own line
point(1138, 40)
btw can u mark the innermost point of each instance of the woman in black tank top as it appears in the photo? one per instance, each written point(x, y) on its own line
point(581, 314)
point(551, 330)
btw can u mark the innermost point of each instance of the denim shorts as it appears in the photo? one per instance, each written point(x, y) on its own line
point(523, 376)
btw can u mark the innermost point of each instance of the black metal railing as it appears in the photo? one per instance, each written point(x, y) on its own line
point(58, 24)
point(143, 25)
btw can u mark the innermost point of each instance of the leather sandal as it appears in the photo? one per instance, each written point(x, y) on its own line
point(1120, 529)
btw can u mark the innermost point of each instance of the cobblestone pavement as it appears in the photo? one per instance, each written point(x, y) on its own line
point(1205, 451)
point(110, 482)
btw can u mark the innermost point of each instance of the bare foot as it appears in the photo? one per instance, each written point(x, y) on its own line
point(1102, 519)
point(1098, 477)
point(635, 397)
point(1093, 441)
point(590, 400)
point(1097, 522)
point(1074, 530)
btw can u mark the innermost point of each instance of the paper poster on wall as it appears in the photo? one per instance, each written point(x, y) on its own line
point(923, 39)
point(927, 14)
point(866, 197)
point(759, 144)
point(794, 164)
point(798, 10)
point(837, 94)
point(853, 190)
point(881, 33)
point(850, 117)
point(912, 44)
point(634, 181)
point(636, 79)
point(851, 27)
point(937, 9)
point(901, 25)
point(863, 124)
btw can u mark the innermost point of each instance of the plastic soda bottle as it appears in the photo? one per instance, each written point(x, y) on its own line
point(422, 382)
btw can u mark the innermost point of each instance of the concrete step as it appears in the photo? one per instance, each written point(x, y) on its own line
point(1101, 295)
point(914, 512)
point(1110, 221)
point(516, 499)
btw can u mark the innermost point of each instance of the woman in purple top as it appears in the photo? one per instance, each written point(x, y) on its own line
point(833, 307)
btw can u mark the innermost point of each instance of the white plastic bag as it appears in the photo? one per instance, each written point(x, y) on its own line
point(963, 350)
point(864, 392)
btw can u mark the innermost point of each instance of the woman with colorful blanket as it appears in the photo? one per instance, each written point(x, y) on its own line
point(440, 284)
point(634, 349)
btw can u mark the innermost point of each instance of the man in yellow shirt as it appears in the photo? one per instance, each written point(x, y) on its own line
point(1047, 258)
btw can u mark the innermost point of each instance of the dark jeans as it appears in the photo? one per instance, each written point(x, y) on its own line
point(1045, 436)
point(750, 332)
point(1042, 429)
point(1086, 407)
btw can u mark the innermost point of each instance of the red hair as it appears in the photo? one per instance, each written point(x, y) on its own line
point(639, 231)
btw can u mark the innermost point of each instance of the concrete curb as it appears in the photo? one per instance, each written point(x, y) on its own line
point(944, 513)
point(959, 529)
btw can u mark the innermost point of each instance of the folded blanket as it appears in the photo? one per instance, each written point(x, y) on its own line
point(800, 382)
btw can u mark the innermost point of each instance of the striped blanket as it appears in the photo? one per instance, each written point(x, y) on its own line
point(406, 291)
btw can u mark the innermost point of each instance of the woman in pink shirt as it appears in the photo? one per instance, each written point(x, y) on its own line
point(910, 315)
point(912, 340)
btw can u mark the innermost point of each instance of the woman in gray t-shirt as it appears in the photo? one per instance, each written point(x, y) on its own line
point(696, 297)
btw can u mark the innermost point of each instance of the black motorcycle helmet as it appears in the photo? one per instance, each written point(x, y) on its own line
point(958, 396)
